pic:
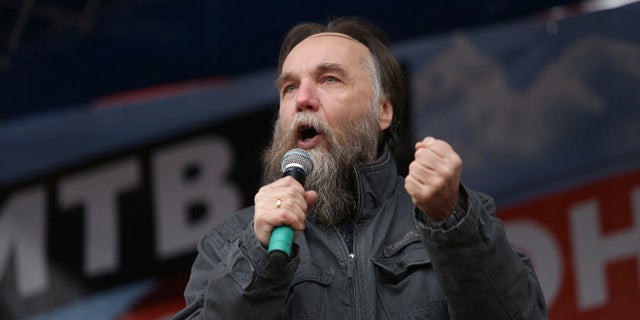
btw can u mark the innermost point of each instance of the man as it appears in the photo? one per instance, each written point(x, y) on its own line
point(369, 243)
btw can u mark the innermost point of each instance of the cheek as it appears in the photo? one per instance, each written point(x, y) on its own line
point(343, 108)
point(343, 120)
point(336, 117)
point(286, 111)
point(352, 111)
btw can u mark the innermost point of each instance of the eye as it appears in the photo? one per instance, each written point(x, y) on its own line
point(288, 88)
point(330, 79)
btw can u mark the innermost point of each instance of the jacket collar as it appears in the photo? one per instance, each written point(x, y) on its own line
point(375, 183)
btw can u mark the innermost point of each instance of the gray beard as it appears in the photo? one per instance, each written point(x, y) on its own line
point(349, 145)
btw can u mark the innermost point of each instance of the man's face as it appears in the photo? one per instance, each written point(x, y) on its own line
point(326, 107)
point(328, 75)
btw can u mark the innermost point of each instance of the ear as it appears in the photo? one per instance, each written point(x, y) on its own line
point(385, 114)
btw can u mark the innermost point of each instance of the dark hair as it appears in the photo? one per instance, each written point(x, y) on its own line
point(391, 76)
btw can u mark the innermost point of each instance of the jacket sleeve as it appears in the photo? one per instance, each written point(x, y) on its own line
point(231, 277)
point(481, 273)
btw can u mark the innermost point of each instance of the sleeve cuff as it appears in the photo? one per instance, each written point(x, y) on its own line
point(257, 255)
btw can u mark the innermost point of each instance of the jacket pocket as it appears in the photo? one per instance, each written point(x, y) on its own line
point(407, 285)
point(308, 293)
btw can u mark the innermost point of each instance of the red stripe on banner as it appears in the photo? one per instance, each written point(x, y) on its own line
point(596, 230)
point(162, 302)
point(158, 92)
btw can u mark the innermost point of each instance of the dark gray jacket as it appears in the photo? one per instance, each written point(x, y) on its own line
point(401, 266)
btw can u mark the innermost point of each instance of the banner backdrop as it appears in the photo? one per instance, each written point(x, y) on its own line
point(546, 119)
point(101, 208)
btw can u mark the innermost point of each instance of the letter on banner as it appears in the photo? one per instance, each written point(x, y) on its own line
point(97, 191)
point(593, 250)
point(191, 174)
point(22, 227)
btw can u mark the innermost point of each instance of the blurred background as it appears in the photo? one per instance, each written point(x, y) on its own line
point(129, 128)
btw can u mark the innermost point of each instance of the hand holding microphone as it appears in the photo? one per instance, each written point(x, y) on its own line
point(281, 207)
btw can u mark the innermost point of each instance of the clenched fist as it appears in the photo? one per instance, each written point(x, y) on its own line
point(283, 202)
point(434, 178)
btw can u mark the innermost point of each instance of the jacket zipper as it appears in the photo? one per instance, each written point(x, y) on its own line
point(358, 196)
point(356, 304)
point(351, 266)
point(352, 254)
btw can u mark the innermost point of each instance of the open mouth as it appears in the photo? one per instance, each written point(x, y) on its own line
point(307, 132)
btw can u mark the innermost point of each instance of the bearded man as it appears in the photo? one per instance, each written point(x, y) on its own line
point(369, 244)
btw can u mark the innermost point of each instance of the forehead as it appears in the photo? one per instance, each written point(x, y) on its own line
point(327, 47)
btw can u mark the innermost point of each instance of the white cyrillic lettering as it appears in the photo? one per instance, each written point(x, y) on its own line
point(23, 228)
point(187, 176)
point(593, 250)
point(97, 191)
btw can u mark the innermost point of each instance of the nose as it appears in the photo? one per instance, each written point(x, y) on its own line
point(307, 98)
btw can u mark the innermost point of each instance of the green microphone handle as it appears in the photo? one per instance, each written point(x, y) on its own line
point(280, 245)
point(281, 240)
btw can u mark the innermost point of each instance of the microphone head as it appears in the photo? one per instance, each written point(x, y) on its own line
point(298, 158)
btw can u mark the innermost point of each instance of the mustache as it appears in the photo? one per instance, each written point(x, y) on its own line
point(302, 125)
point(305, 120)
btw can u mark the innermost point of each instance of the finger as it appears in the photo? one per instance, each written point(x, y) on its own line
point(418, 191)
point(283, 201)
point(427, 181)
point(441, 148)
point(424, 142)
point(411, 184)
point(419, 172)
point(294, 213)
point(300, 207)
point(439, 156)
point(426, 157)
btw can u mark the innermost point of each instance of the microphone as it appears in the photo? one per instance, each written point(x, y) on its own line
point(297, 164)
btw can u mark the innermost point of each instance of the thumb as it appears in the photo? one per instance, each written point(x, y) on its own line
point(424, 142)
point(311, 197)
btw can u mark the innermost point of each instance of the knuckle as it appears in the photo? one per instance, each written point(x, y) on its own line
point(447, 171)
point(440, 181)
point(457, 161)
point(413, 166)
point(280, 216)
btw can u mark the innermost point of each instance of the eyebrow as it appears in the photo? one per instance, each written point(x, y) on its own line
point(319, 69)
point(331, 67)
